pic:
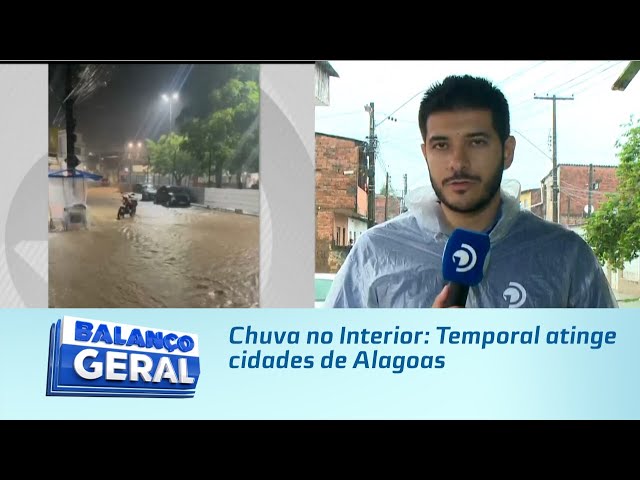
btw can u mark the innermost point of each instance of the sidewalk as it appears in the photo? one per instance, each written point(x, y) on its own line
point(627, 301)
point(236, 210)
point(625, 296)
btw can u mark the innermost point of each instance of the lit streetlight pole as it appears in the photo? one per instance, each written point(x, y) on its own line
point(130, 164)
point(170, 99)
point(130, 154)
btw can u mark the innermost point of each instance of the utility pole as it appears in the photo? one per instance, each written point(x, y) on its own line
point(371, 171)
point(69, 96)
point(590, 188)
point(555, 153)
point(404, 195)
point(386, 200)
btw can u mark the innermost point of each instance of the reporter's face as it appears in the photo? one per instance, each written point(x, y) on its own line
point(465, 158)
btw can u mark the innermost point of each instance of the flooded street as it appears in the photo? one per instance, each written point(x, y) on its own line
point(162, 257)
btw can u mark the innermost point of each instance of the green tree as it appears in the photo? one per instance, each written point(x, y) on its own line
point(614, 230)
point(225, 134)
point(196, 143)
point(169, 157)
point(238, 117)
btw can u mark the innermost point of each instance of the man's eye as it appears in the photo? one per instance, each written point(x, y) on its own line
point(439, 146)
point(478, 141)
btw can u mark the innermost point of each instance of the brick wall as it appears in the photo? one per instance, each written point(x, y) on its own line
point(393, 208)
point(573, 182)
point(334, 157)
point(337, 163)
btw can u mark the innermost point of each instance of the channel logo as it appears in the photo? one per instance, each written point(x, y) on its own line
point(92, 358)
point(467, 258)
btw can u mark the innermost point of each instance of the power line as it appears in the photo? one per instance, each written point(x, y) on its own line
point(541, 87)
point(557, 87)
point(538, 81)
point(597, 74)
point(588, 87)
point(530, 111)
point(533, 144)
point(385, 118)
point(520, 72)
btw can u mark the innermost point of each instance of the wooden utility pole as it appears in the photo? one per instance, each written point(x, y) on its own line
point(555, 153)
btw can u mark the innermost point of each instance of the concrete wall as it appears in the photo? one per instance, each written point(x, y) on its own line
point(356, 228)
point(242, 200)
point(627, 281)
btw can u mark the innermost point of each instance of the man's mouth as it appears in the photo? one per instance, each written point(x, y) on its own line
point(460, 184)
point(460, 181)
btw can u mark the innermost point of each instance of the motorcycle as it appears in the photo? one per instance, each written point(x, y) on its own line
point(128, 207)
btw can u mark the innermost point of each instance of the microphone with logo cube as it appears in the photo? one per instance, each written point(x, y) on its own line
point(464, 261)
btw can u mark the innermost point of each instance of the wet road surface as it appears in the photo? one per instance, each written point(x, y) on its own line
point(162, 257)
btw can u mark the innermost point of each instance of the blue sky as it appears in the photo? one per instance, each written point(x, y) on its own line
point(587, 127)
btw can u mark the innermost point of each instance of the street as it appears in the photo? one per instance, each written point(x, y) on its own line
point(161, 258)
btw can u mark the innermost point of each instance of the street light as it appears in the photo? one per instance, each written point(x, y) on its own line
point(170, 99)
point(130, 147)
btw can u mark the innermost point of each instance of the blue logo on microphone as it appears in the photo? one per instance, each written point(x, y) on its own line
point(464, 257)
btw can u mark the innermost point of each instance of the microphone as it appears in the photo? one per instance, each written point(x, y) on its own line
point(463, 262)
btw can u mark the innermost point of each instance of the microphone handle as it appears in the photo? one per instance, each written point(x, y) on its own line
point(457, 295)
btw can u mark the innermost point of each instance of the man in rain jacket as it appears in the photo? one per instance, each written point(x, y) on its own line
point(533, 263)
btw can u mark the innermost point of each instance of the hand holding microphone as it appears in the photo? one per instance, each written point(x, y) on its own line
point(463, 264)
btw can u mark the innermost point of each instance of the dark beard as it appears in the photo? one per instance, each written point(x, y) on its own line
point(490, 191)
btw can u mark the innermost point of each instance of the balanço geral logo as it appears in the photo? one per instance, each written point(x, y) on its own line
point(106, 359)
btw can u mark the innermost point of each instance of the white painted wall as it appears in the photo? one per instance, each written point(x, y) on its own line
point(247, 200)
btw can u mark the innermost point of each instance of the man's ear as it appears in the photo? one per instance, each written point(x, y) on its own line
point(509, 150)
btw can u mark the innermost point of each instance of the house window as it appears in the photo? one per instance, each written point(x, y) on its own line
point(344, 236)
point(338, 236)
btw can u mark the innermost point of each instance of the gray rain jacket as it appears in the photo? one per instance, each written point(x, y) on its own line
point(532, 263)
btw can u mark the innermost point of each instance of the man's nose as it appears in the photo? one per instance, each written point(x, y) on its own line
point(459, 158)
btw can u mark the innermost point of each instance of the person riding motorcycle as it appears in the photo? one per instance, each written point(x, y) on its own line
point(129, 201)
point(129, 205)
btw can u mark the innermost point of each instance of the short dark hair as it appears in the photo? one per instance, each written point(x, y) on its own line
point(458, 92)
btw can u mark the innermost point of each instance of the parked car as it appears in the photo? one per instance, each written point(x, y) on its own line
point(323, 282)
point(148, 192)
point(172, 196)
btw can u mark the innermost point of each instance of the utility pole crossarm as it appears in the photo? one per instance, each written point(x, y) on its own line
point(553, 97)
